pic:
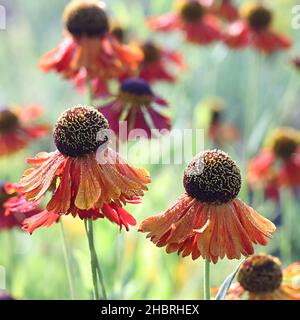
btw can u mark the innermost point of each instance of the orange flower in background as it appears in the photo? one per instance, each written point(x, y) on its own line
point(261, 278)
point(17, 129)
point(11, 215)
point(193, 19)
point(296, 62)
point(278, 164)
point(83, 182)
point(209, 220)
point(255, 30)
point(88, 45)
point(221, 132)
point(226, 10)
point(156, 62)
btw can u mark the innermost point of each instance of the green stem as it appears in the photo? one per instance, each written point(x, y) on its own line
point(95, 266)
point(89, 92)
point(206, 279)
point(68, 261)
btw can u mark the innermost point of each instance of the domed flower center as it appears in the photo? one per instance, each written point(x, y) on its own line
point(151, 52)
point(86, 18)
point(258, 16)
point(80, 130)
point(136, 92)
point(285, 142)
point(191, 11)
point(212, 177)
point(8, 121)
point(260, 274)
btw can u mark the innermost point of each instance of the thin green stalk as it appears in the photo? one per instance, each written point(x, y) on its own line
point(68, 261)
point(88, 223)
point(206, 280)
point(95, 266)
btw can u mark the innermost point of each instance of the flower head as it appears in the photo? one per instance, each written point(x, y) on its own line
point(88, 46)
point(11, 216)
point(193, 19)
point(226, 10)
point(83, 181)
point(261, 278)
point(134, 104)
point(220, 131)
point(86, 18)
point(154, 67)
point(296, 62)
point(278, 163)
point(209, 220)
point(16, 131)
point(255, 28)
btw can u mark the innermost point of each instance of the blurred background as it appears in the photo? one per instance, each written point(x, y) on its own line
point(259, 94)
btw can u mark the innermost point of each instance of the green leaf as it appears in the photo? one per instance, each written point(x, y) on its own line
point(227, 283)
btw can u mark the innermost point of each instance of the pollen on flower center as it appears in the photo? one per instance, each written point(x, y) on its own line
point(80, 130)
point(136, 92)
point(258, 16)
point(191, 11)
point(212, 177)
point(260, 274)
point(151, 52)
point(284, 142)
point(8, 121)
point(86, 18)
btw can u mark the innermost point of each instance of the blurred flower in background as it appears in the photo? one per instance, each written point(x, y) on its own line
point(296, 62)
point(278, 164)
point(17, 129)
point(220, 131)
point(136, 104)
point(209, 220)
point(192, 17)
point(225, 9)
point(261, 278)
point(80, 185)
point(156, 62)
point(5, 296)
point(255, 30)
point(89, 46)
point(11, 215)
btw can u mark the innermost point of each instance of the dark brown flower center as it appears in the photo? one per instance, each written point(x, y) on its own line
point(151, 52)
point(191, 11)
point(258, 17)
point(8, 121)
point(86, 18)
point(285, 142)
point(80, 130)
point(260, 274)
point(212, 177)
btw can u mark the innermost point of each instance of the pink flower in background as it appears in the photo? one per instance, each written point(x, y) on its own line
point(139, 106)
